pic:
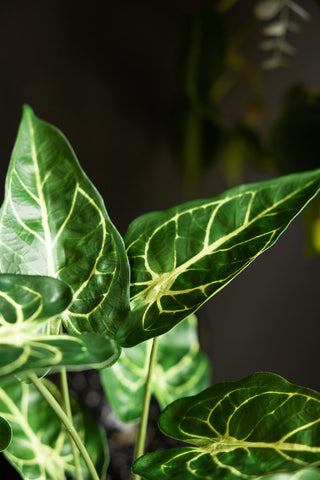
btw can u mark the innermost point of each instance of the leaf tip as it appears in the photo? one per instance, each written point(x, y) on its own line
point(27, 110)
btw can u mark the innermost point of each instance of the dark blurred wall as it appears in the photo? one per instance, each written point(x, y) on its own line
point(103, 72)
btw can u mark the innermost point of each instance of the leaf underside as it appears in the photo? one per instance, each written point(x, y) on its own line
point(246, 430)
point(181, 366)
point(182, 256)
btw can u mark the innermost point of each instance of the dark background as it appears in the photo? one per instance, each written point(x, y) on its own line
point(104, 73)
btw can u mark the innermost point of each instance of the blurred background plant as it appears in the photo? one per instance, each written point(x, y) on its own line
point(210, 62)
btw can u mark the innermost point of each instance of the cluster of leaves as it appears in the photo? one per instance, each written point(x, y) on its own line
point(73, 293)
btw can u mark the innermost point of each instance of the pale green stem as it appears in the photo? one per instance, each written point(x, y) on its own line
point(66, 422)
point(67, 408)
point(142, 433)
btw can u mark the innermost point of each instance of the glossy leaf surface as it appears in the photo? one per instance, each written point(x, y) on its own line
point(182, 256)
point(38, 352)
point(40, 447)
point(5, 433)
point(27, 302)
point(241, 430)
point(181, 369)
point(54, 222)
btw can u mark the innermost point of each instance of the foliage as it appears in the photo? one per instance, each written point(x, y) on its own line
point(67, 304)
point(239, 428)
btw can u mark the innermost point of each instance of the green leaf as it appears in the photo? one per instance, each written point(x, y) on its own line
point(5, 433)
point(181, 369)
point(241, 430)
point(305, 474)
point(182, 256)
point(27, 302)
point(40, 447)
point(38, 352)
point(294, 137)
point(54, 222)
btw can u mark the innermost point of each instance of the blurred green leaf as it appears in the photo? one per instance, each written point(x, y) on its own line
point(196, 138)
point(181, 369)
point(242, 145)
point(201, 51)
point(241, 430)
point(40, 352)
point(294, 136)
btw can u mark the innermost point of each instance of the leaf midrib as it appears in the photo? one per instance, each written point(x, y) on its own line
point(230, 444)
point(44, 211)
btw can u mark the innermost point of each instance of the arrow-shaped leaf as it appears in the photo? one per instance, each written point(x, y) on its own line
point(40, 446)
point(182, 256)
point(241, 430)
point(5, 433)
point(27, 302)
point(54, 222)
point(181, 369)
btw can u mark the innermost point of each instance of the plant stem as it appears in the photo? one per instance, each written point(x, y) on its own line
point(67, 409)
point(140, 443)
point(66, 422)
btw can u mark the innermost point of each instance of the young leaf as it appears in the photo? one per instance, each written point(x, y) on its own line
point(54, 222)
point(40, 446)
point(5, 433)
point(181, 369)
point(182, 256)
point(27, 302)
point(241, 430)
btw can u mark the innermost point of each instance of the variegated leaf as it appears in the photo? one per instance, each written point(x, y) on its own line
point(181, 369)
point(305, 474)
point(54, 222)
point(183, 256)
point(41, 352)
point(242, 430)
point(27, 303)
point(40, 447)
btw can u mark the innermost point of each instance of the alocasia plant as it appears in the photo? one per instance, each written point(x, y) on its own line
point(75, 295)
